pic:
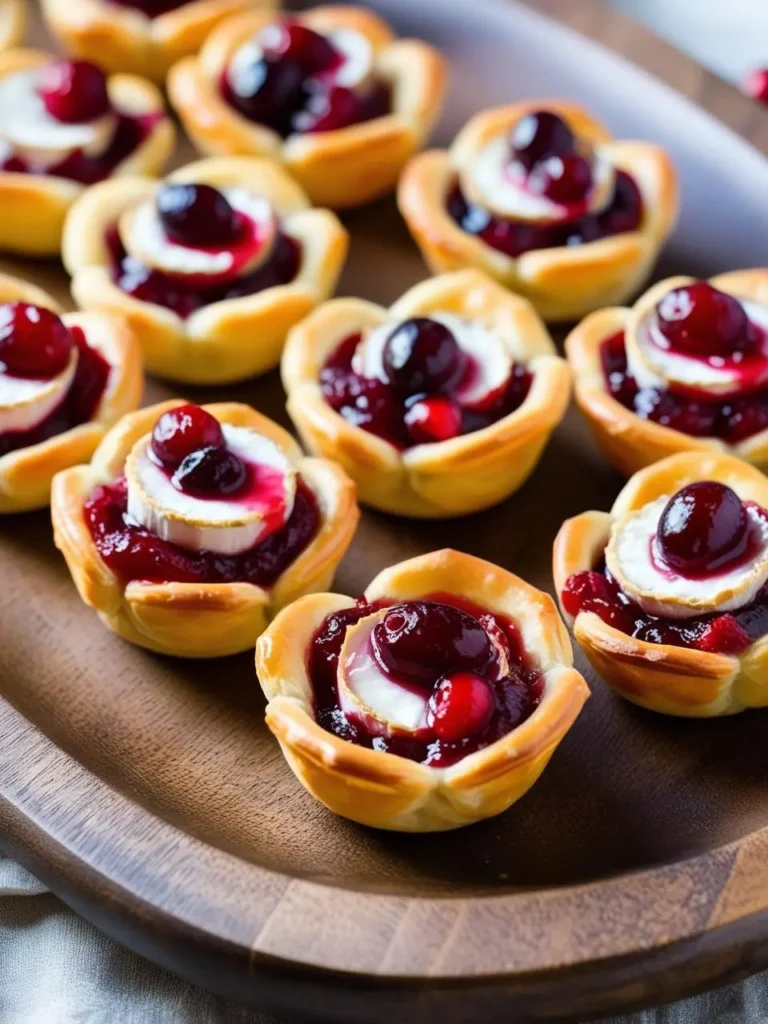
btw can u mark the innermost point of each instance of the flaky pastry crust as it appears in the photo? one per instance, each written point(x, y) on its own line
point(629, 442)
point(448, 478)
point(390, 792)
point(13, 22)
point(121, 39)
point(225, 341)
point(671, 680)
point(186, 619)
point(566, 282)
point(341, 168)
point(33, 207)
point(26, 474)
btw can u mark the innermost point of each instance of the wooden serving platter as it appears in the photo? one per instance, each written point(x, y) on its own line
point(148, 793)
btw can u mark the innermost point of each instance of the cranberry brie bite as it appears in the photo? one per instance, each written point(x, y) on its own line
point(63, 381)
point(668, 593)
point(212, 267)
point(64, 126)
point(13, 20)
point(433, 701)
point(144, 37)
point(438, 406)
point(686, 369)
point(330, 93)
point(540, 197)
point(193, 526)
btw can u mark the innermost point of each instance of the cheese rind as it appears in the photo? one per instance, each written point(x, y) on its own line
point(25, 402)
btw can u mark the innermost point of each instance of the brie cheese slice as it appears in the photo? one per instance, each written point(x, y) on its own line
point(225, 526)
point(25, 402)
point(638, 567)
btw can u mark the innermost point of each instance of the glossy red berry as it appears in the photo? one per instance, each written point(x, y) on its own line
point(539, 135)
point(756, 85)
point(703, 526)
point(723, 635)
point(311, 50)
point(74, 91)
point(701, 320)
point(562, 179)
point(210, 471)
point(435, 418)
point(184, 430)
point(421, 355)
point(197, 215)
point(34, 342)
point(460, 706)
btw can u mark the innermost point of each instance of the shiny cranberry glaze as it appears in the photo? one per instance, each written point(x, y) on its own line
point(291, 87)
point(134, 553)
point(756, 85)
point(698, 319)
point(150, 285)
point(462, 717)
point(152, 8)
point(130, 132)
point(184, 430)
point(74, 91)
point(704, 530)
point(78, 405)
point(544, 160)
point(514, 237)
point(197, 215)
point(539, 135)
point(597, 591)
point(380, 409)
point(34, 342)
point(562, 179)
point(212, 472)
point(733, 419)
point(421, 355)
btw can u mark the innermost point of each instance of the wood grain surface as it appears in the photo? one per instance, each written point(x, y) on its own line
point(149, 795)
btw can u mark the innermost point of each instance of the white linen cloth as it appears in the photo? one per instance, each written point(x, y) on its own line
point(56, 968)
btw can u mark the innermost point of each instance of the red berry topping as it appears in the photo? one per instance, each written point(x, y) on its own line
point(268, 91)
point(539, 135)
point(562, 179)
point(701, 320)
point(756, 85)
point(207, 471)
point(435, 418)
point(461, 705)
point(583, 590)
point(327, 110)
point(33, 341)
point(702, 527)
point(197, 215)
point(422, 640)
point(311, 50)
point(74, 91)
point(723, 635)
point(421, 355)
point(184, 430)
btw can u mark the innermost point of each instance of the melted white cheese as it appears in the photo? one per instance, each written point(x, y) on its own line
point(660, 590)
point(225, 527)
point(24, 402)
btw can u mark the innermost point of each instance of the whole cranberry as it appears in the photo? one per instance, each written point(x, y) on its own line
point(327, 109)
point(756, 85)
point(74, 91)
point(211, 471)
point(184, 430)
point(268, 91)
point(562, 179)
point(197, 215)
point(460, 706)
point(422, 355)
point(701, 320)
point(311, 50)
point(702, 526)
point(433, 418)
point(34, 342)
point(539, 135)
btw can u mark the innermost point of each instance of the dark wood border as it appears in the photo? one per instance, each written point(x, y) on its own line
point(293, 945)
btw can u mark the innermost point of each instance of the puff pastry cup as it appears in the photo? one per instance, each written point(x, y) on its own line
point(26, 472)
point(629, 441)
point(390, 791)
point(33, 206)
point(197, 620)
point(563, 281)
point(121, 38)
point(674, 680)
point(342, 167)
point(228, 339)
point(451, 477)
point(13, 22)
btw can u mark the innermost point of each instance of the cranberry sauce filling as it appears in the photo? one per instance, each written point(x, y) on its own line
point(292, 87)
point(441, 647)
point(703, 532)
point(514, 237)
point(78, 405)
point(152, 8)
point(75, 92)
point(133, 553)
point(162, 289)
point(417, 405)
point(731, 419)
